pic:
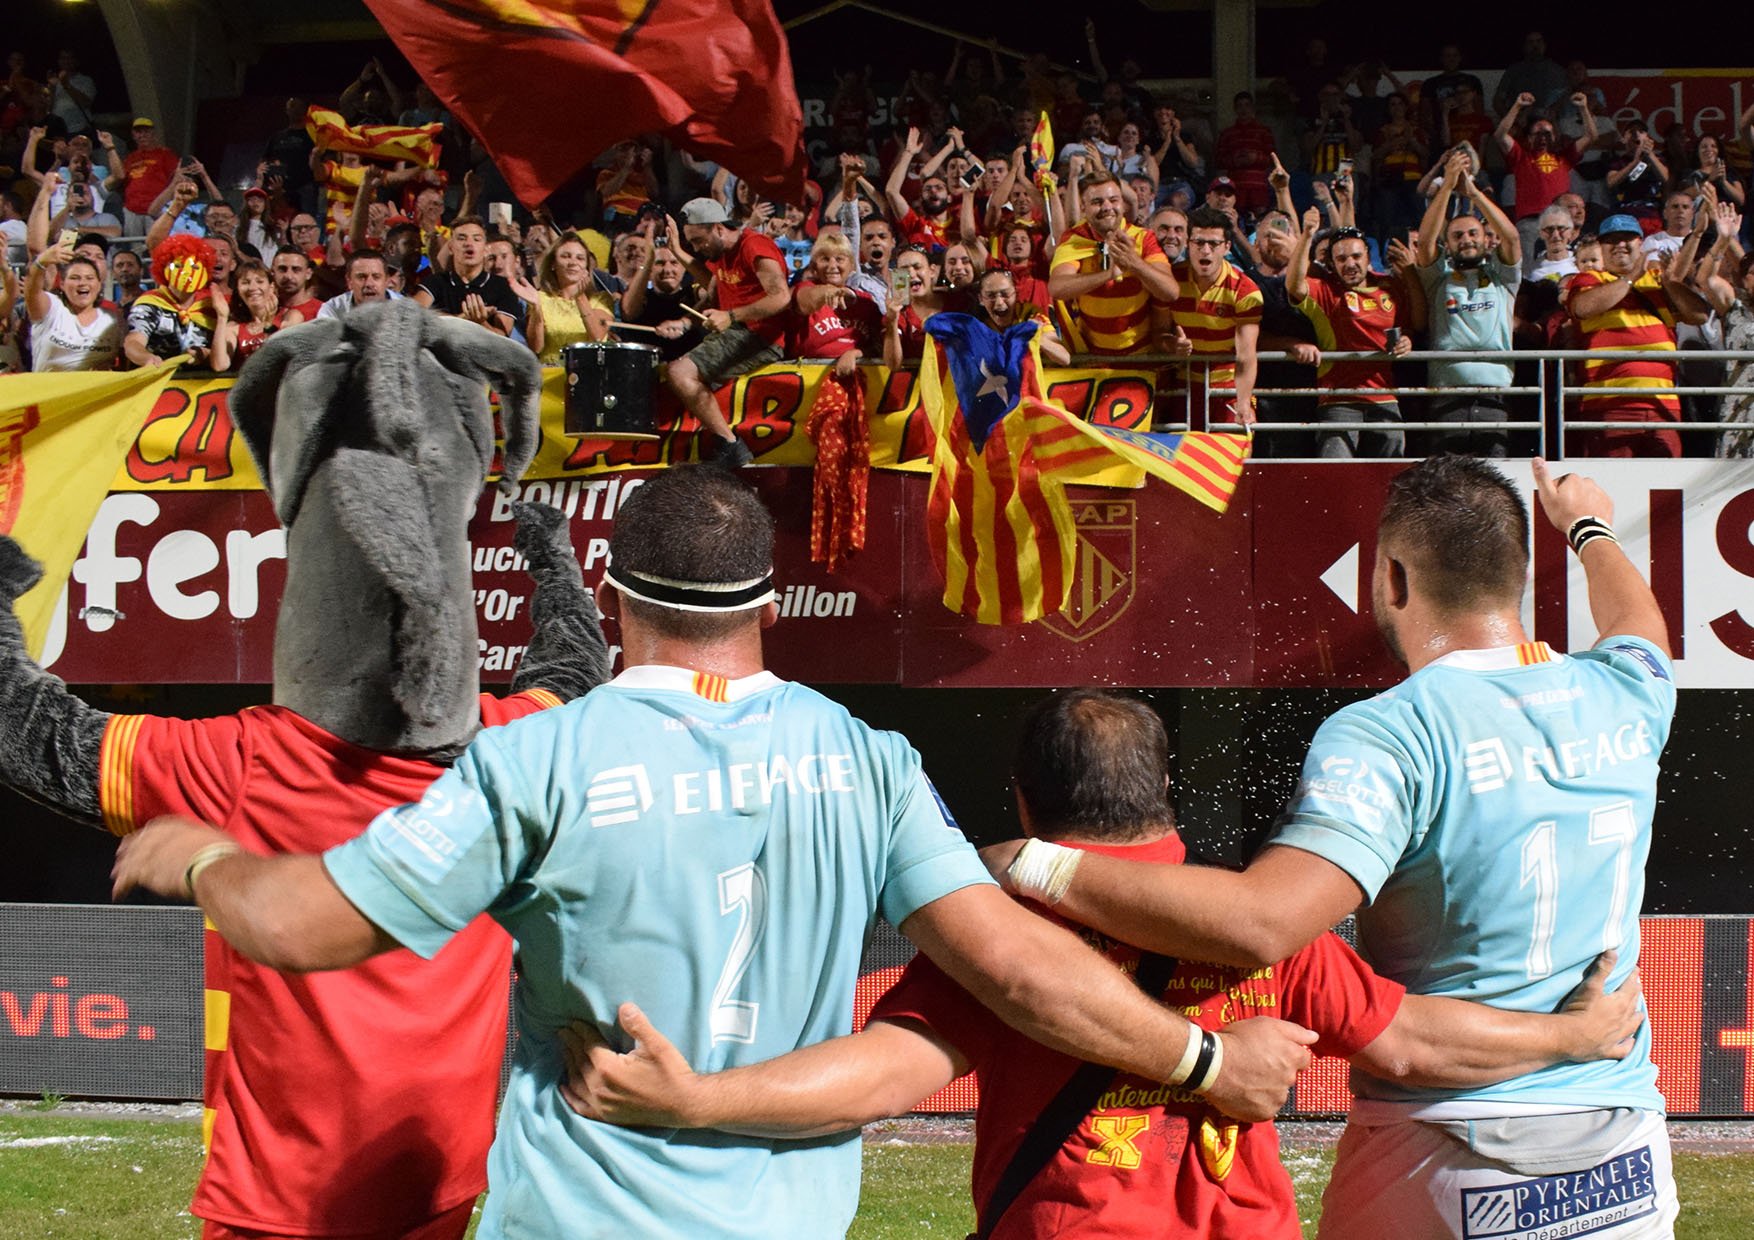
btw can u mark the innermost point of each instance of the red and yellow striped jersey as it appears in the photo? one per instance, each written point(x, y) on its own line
point(1643, 320)
point(1355, 320)
point(1210, 317)
point(366, 1094)
point(1115, 318)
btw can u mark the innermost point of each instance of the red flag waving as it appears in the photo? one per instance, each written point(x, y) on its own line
point(548, 84)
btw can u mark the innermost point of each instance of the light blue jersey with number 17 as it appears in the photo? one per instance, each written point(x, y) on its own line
point(716, 852)
point(1495, 808)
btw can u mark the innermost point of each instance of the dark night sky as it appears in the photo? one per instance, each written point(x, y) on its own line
point(1167, 44)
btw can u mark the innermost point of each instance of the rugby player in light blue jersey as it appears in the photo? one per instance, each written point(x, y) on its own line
point(713, 844)
point(1489, 820)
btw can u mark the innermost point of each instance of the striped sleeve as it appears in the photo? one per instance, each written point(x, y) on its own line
point(115, 773)
point(150, 765)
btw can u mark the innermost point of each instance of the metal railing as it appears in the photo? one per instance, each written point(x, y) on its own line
point(1551, 394)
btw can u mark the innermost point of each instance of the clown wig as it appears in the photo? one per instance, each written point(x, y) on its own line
point(183, 263)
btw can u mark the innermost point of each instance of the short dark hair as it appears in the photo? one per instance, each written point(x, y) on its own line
point(468, 219)
point(360, 256)
point(1462, 528)
point(1208, 217)
point(1095, 764)
point(692, 523)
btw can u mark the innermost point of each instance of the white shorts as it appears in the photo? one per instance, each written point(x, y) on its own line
point(1415, 1181)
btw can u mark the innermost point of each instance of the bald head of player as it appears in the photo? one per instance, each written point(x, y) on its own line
point(690, 573)
point(1451, 560)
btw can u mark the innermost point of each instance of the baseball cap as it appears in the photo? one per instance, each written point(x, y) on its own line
point(704, 211)
point(257, 191)
point(1222, 183)
point(1617, 224)
point(143, 122)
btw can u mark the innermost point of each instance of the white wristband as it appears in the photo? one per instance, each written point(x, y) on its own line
point(1210, 1077)
point(1185, 1068)
point(1043, 871)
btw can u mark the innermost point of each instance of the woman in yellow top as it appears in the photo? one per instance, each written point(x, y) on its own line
point(568, 308)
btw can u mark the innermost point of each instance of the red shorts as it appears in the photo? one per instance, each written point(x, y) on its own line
point(447, 1226)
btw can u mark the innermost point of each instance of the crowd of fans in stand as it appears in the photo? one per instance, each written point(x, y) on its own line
point(1402, 215)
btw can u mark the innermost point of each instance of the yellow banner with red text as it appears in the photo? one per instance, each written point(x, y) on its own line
point(189, 443)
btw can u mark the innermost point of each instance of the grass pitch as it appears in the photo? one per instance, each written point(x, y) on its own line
point(76, 1178)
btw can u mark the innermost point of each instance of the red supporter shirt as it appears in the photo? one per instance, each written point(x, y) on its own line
point(1355, 321)
point(1539, 178)
point(736, 282)
point(145, 174)
point(833, 330)
point(1149, 1160)
point(336, 1104)
point(923, 232)
point(1245, 154)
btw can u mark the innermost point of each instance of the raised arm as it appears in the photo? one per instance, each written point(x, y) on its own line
point(183, 194)
point(567, 655)
point(1621, 602)
point(1297, 270)
point(36, 225)
point(898, 174)
point(112, 161)
point(1510, 242)
point(1502, 133)
point(27, 162)
point(952, 143)
point(1719, 292)
point(1688, 304)
point(360, 216)
point(1586, 139)
point(1431, 225)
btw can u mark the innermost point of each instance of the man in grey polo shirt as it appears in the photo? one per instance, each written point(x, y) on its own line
point(1469, 293)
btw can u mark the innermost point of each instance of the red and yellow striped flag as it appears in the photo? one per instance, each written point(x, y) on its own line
point(418, 144)
point(1000, 529)
point(998, 521)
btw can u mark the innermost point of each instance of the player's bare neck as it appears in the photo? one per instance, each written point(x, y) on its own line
point(1428, 640)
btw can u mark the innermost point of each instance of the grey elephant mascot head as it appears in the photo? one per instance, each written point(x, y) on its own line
point(373, 435)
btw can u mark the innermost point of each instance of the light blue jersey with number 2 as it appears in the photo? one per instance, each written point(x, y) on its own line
point(715, 852)
point(1496, 807)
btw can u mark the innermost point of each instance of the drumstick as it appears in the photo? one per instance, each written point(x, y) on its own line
point(631, 327)
point(691, 310)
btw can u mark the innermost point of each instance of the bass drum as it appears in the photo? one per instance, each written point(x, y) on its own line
point(611, 390)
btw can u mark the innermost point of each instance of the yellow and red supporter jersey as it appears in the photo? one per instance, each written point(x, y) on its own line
point(1643, 320)
point(353, 1102)
point(1355, 320)
point(1115, 318)
point(1210, 318)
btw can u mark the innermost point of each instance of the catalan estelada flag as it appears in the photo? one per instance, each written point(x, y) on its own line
point(62, 439)
point(547, 85)
point(417, 144)
point(998, 521)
